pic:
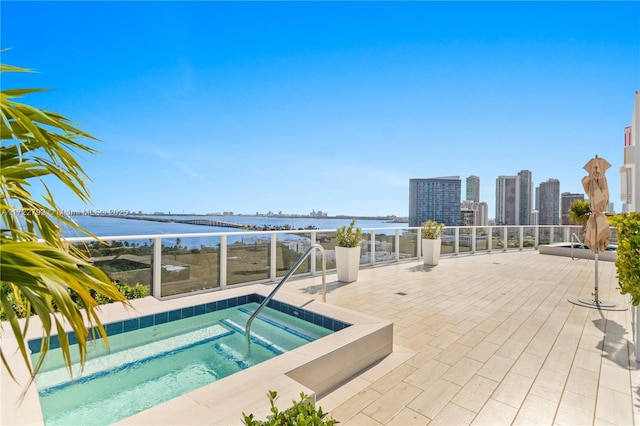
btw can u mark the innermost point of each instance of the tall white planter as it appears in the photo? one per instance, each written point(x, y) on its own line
point(347, 263)
point(431, 251)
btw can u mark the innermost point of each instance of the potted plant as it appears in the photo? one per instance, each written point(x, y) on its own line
point(628, 265)
point(431, 242)
point(348, 252)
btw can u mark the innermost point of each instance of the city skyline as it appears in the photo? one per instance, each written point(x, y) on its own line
point(295, 106)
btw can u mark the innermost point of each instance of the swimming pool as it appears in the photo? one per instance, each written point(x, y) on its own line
point(578, 251)
point(158, 357)
point(316, 368)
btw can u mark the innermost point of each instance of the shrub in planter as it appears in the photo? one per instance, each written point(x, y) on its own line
point(302, 413)
point(432, 230)
point(348, 237)
point(628, 261)
point(348, 252)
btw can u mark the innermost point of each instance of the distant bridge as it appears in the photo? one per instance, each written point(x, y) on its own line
point(208, 222)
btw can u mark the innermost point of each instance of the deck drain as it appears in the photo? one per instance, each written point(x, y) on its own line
point(400, 293)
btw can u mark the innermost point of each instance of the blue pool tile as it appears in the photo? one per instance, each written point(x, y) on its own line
point(232, 302)
point(327, 323)
point(188, 312)
point(160, 318)
point(175, 315)
point(211, 307)
point(317, 319)
point(222, 304)
point(114, 328)
point(34, 345)
point(54, 342)
point(72, 338)
point(131, 324)
point(146, 321)
point(199, 309)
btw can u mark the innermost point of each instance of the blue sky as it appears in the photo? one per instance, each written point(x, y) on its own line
point(294, 106)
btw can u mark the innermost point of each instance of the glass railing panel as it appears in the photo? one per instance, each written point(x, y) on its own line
point(365, 251)
point(558, 234)
point(127, 262)
point(529, 237)
point(497, 238)
point(385, 245)
point(248, 258)
point(327, 239)
point(448, 241)
point(466, 239)
point(408, 244)
point(482, 239)
point(189, 264)
point(544, 235)
point(513, 237)
point(289, 249)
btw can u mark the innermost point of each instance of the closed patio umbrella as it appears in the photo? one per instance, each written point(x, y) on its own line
point(597, 232)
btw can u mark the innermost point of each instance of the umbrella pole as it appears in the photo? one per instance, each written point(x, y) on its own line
point(595, 294)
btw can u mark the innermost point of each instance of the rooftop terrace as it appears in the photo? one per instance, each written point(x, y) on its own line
point(478, 339)
point(490, 339)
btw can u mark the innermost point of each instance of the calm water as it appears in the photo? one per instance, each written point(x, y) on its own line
point(113, 226)
point(149, 366)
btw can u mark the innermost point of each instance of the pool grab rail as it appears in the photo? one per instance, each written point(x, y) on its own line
point(575, 237)
point(247, 328)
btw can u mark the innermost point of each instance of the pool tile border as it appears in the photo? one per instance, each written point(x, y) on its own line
point(190, 311)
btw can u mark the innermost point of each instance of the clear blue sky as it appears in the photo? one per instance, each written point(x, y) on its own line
point(293, 106)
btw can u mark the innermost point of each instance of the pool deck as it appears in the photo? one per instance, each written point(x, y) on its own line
point(480, 339)
point(490, 339)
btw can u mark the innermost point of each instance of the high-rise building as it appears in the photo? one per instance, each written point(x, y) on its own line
point(483, 214)
point(525, 197)
point(507, 200)
point(566, 199)
point(549, 200)
point(473, 188)
point(630, 171)
point(435, 199)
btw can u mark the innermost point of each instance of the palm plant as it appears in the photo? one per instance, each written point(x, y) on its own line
point(38, 269)
point(579, 212)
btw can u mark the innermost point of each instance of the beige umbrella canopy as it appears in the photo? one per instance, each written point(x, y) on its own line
point(597, 232)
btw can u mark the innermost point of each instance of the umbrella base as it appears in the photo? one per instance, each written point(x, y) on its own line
point(597, 304)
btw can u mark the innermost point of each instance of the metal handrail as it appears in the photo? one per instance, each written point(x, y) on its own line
point(575, 236)
point(247, 328)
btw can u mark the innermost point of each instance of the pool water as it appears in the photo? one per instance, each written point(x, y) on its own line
point(148, 366)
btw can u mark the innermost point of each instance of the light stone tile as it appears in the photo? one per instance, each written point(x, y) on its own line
point(575, 409)
point(360, 419)
point(548, 385)
point(475, 393)
point(453, 353)
point(430, 402)
point(354, 405)
point(392, 402)
point(424, 355)
point(483, 351)
point(496, 367)
point(392, 378)
point(536, 411)
point(430, 372)
point(453, 415)
point(615, 378)
point(445, 340)
point(513, 389)
point(495, 413)
point(528, 365)
point(462, 371)
point(408, 417)
point(583, 382)
point(472, 338)
point(614, 407)
point(511, 349)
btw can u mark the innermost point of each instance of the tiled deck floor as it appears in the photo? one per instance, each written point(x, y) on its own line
point(489, 339)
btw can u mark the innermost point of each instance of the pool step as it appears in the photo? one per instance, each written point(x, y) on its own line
point(256, 338)
point(279, 325)
point(55, 379)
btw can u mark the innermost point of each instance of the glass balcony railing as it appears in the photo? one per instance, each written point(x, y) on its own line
point(174, 265)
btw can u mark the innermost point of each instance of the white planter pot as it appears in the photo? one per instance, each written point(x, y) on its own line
point(431, 251)
point(347, 263)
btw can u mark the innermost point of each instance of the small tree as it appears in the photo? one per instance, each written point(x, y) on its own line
point(39, 270)
point(579, 212)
